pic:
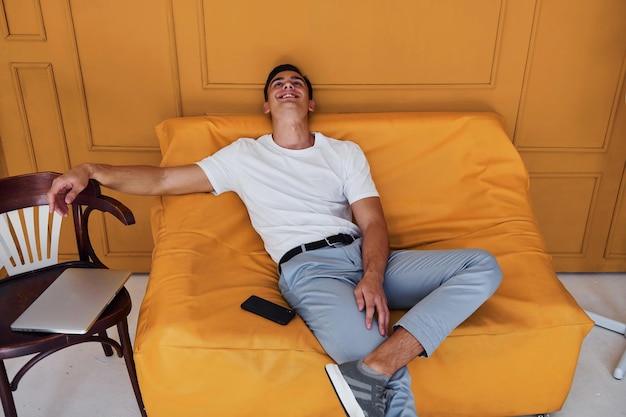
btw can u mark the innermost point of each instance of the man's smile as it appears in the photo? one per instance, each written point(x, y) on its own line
point(288, 95)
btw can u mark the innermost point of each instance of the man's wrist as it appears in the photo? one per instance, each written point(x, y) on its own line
point(374, 275)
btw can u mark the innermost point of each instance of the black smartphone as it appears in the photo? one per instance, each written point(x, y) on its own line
point(268, 309)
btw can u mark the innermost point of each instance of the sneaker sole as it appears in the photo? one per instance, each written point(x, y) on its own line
point(343, 391)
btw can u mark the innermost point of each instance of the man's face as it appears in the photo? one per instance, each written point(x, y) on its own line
point(288, 90)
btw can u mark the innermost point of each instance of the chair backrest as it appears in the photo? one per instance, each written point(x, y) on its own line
point(29, 234)
point(29, 239)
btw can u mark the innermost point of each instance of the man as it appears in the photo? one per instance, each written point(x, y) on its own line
point(302, 190)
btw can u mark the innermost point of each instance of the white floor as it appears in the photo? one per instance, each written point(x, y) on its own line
point(595, 393)
point(82, 382)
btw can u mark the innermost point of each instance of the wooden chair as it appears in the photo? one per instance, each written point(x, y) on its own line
point(29, 238)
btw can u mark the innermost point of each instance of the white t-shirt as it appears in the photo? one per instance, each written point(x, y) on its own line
point(293, 196)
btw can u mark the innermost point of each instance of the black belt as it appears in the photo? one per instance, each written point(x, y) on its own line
point(329, 241)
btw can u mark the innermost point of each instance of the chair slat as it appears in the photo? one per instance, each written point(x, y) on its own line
point(29, 221)
point(55, 234)
point(23, 251)
point(44, 220)
point(11, 219)
point(9, 251)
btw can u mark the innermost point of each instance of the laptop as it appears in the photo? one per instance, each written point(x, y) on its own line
point(73, 302)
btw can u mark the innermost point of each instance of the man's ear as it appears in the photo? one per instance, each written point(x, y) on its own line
point(312, 106)
point(266, 108)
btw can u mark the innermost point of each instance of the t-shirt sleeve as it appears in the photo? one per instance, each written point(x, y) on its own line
point(216, 166)
point(359, 183)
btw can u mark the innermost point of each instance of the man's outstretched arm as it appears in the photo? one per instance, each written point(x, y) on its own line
point(132, 179)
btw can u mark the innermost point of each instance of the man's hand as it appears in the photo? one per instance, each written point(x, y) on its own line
point(370, 297)
point(65, 188)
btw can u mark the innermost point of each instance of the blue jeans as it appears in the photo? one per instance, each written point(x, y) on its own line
point(440, 289)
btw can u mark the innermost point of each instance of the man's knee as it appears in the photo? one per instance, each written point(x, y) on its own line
point(491, 273)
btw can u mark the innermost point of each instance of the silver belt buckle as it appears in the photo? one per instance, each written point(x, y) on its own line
point(330, 244)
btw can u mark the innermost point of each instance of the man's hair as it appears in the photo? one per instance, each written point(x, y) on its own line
point(287, 67)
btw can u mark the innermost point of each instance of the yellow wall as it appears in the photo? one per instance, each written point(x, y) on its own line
point(87, 80)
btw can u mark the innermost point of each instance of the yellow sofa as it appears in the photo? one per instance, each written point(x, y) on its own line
point(446, 180)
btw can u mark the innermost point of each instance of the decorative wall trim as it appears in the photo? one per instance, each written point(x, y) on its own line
point(611, 113)
point(207, 84)
point(87, 122)
point(615, 231)
point(33, 13)
point(30, 110)
point(596, 177)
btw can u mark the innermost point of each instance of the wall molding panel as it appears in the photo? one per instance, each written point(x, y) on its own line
point(577, 194)
point(360, 52)
point(113, 60)
point(616, 242)
point(22, 20)
point(580, 75)
point(40, 113)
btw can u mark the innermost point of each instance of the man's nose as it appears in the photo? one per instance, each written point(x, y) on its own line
point(287, 85)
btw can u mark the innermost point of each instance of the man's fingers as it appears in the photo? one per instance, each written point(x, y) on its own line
point(370, 310)
point(374, 306)
point(71, 195)
point(360, 299)
point(378, 307)
point(383, 319)
point(60, 195)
